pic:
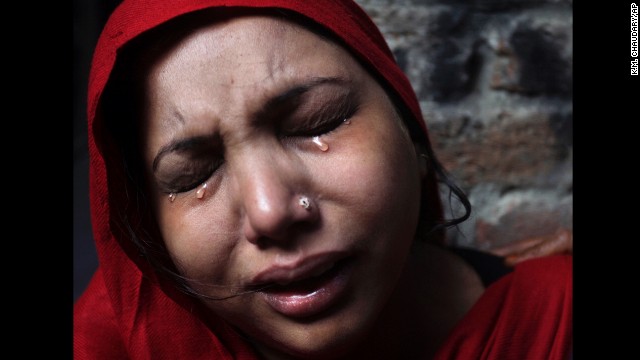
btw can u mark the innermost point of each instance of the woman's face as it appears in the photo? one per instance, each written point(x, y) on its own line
point(254, 108)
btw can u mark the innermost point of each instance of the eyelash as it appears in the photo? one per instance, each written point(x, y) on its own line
point(326, 127)
point(214, 166)
point(323, 129)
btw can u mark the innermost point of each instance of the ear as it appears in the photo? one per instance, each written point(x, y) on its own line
point(423, 159)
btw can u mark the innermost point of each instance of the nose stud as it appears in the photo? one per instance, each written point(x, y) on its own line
point(172, 197)
point(304, 202)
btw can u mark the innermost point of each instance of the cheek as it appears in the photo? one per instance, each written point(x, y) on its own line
point(199, 235)
point(375, 171)
point(373, 186)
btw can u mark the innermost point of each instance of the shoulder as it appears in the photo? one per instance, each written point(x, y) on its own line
point(525, 314)
point(539, 288)
point(544, 284)
point(95, 332)
point(549, 277)
point(552, 268)
point(141, 321)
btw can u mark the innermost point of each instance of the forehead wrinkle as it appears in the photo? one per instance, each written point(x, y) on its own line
point(272, 73)
point(277, 55)
point(176, 115)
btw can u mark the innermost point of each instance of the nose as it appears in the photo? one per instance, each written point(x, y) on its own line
point(271, 187)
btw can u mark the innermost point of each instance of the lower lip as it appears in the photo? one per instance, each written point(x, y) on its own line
point(310, 297)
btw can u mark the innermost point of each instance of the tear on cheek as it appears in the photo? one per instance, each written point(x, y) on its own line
point(322, 145)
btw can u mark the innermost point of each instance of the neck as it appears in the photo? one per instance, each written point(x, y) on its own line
point(435, 291)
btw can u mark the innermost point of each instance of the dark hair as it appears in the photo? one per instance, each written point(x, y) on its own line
point(121, 110)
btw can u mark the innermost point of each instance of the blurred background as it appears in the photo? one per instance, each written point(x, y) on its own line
point(495, 83)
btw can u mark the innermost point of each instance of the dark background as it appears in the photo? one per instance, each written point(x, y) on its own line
point(88, 18)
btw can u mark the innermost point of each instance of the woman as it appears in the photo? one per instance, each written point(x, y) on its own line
point(263, 186)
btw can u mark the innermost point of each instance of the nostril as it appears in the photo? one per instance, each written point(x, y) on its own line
point(271, 225)
point(262, 242)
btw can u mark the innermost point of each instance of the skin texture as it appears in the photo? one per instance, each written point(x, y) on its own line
point(250, 93)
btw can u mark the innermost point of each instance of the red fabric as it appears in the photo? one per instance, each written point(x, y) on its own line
point(128, 309)
point(527, 314)
point(129, 312)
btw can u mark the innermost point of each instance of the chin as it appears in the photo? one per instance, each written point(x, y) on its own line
point(331, 336)
point(305, 344)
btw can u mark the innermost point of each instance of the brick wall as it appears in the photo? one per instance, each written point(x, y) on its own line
point(494, 80)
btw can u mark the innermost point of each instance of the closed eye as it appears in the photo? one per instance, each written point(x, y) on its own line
point(188, 177)
point(321, 117)
point(184, 164)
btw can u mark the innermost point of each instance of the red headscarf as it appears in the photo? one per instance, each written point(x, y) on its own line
point(128, 311)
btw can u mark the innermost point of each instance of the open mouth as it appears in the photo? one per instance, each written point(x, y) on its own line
point(311, 295)
point(308, 285)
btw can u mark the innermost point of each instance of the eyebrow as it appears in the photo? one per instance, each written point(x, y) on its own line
point(178, 145)
point(270, 105)
point(296, 91)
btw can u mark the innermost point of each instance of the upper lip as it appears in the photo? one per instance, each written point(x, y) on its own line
point(297, 270)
